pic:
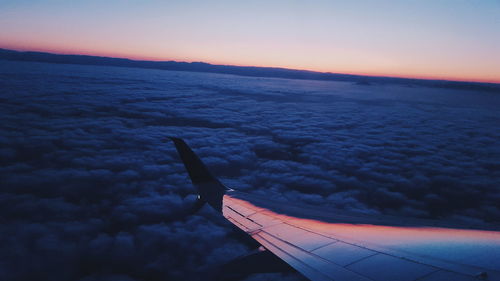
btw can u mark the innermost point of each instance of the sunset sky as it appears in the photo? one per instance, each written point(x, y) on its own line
point(447, 39)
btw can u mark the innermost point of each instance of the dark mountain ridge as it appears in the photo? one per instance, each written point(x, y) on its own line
point(252, 71)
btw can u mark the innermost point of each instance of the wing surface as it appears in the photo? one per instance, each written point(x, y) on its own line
point(327, 244)
point(323, 249)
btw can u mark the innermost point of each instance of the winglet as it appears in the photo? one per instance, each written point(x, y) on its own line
point(209, 187)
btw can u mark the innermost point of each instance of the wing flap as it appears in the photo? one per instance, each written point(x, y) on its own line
point(342, 253)
point(382, 267)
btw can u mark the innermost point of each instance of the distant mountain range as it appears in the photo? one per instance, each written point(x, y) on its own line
point(240, 70)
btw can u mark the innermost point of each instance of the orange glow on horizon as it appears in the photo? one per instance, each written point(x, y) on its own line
point(359, 70)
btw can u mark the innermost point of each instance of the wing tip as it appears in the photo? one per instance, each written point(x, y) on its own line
point(209, 187)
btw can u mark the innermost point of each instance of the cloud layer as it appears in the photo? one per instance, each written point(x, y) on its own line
point(93, 190)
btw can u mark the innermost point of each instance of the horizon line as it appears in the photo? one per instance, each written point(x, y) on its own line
point(145, 59)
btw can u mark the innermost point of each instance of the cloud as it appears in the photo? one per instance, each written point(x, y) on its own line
point(92, 189)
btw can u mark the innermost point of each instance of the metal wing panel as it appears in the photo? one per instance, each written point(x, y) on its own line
point(264, 218)
point(303, 239)
point(382, 267)
point(446, 275)
point(340, 251)
point(242, 222)
point(288, 255)
point(312, 266)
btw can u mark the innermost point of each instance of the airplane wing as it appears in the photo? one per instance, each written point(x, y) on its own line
point(326, 244)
